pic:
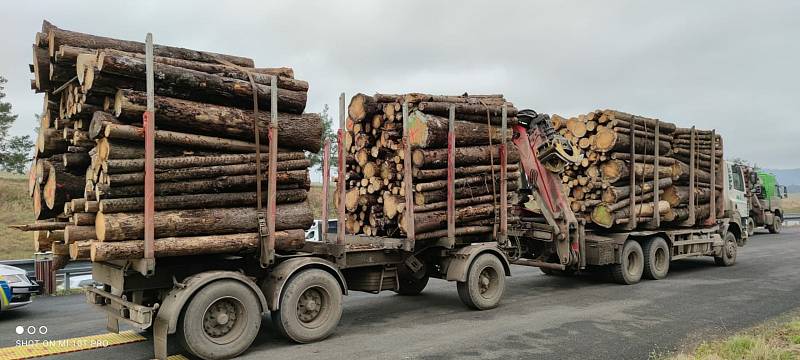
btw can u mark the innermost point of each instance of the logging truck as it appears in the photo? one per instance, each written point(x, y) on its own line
point(640, 244)
point(215, 303)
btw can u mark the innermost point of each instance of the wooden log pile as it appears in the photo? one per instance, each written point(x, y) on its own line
point(599, 186)
point(87, 181)
point(375, 200)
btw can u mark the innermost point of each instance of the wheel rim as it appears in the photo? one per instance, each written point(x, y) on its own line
point(730, 252)
point(488, 280)
point(633, 263)
point(224, 320)
point(661, 260)
point(313, 306)
point(778, 224)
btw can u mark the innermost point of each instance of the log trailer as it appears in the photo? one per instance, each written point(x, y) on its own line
point(215, 303)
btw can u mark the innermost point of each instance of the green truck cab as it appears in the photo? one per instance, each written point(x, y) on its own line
point(764, 200)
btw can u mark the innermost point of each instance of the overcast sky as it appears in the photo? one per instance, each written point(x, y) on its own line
point(729, 65)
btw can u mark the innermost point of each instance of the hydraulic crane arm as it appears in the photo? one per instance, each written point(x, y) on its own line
point(543, 155)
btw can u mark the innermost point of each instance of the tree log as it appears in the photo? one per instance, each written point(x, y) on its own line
point(73, 233)
point(169, 223)
point(361, 106)
point(664, 127)
point(611, 141)
point(173, 138)
point(300, 132)
point(466, 181)
point(197, 201)
point(197, 245)
point(76, 161)
point(435, 220)
point(296, 179)
point(462, 192)
point(83, 218)
point(41, 226)
point(470, 155)
point(436, 174)
point(80, 250)
point(430, 131)
point(58, 37)
point(121, 166)
point(203, 172)
point(679, 195)
point(613, 194)
point(619, 170)
point(605, 218)
point(195, 85)
point(62, 187)
point(443, 109)
point(108, 149)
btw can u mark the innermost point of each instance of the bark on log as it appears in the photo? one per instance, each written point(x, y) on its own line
point(40, 209)
point(485, 179)
point(427, 197)
point(611, 141)
point(613, 194)
point(443, 109)
point(122, 166)
point(430, 131)
point(76, 161)
point(62, 187)
point(110, 149)
point(460, 231)
point(80, 250)
point(607, 219)
point(619, 170)
point(192, 222)
point(469, 155)
point(174, 138)
point(643, 158)
point(83, 218)
point(203, 172)
point(679, 195)
point(197, 201)
point(664, 127)
point(361, 106)
point(195, 85)
point(41, 226)
point(436, 174)
point(286, 240)
point(296, 179)
point(300, 132)
point(58, 37)
point(434, 220)
point(73, 233)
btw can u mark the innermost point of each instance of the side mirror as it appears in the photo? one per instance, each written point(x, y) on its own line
point(785, 192)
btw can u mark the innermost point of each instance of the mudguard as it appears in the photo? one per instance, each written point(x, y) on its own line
point(273, 285)
point(460, 261)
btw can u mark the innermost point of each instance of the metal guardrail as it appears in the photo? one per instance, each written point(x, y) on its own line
point(74, 268)
point(791, 217)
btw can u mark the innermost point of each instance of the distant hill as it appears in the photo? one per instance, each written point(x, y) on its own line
point(788, 177)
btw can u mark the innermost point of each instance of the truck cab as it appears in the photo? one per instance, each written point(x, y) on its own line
point(736, 197)
point(764, 201)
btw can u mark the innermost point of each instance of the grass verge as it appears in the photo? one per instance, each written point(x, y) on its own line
point(776, 340)
point(15, 208)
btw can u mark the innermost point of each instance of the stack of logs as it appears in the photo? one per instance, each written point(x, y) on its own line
point(598, 188)
point(375, 195)
point(87, 181)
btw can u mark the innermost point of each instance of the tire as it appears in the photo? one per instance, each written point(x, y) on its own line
point(631, 268)
point(777, 223)
point(656, 258)
point(220, 321)
point(310, 306)
point(751, 227)
point(729, 248)
point(407, 284)
point(485, 285)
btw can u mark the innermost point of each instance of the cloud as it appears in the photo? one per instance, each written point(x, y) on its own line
point(717, 64)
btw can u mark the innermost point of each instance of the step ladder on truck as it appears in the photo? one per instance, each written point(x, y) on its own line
point(215, 304)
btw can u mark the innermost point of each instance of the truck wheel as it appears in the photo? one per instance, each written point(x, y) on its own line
point(751, 227)
point(729, 248)
point(630, 270)
point(656, 258)
point(775, 228)
point(408, 284)
point(221, 320)
point(310, 306)
point(486, 282)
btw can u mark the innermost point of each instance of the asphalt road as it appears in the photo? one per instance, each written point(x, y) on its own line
point(541, 317)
